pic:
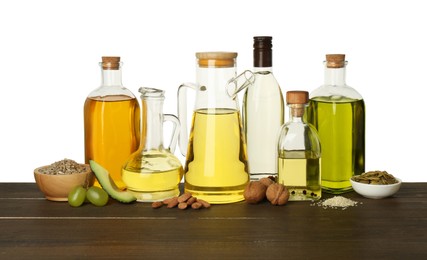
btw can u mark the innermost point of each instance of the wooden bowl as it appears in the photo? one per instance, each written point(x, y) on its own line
point(57, 187)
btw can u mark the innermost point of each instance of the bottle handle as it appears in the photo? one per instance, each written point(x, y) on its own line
point(175, 130)
point(239, 83)
point(182, 115)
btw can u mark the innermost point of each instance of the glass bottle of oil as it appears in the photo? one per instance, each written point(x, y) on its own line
point(111, 121)
point(299, 157)
point(262, 112)
point(338, 113)
point(153, 173)
point(216, 167)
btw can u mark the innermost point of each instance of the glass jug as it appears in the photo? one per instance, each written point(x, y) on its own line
point(216, 167)
point(153, 173)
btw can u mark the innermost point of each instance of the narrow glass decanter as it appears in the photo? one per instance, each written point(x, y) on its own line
point(263, 113)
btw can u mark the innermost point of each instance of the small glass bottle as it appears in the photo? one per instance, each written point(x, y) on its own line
point(111, 121)
point(299, 152)
point(263, 112)
point(337, 111)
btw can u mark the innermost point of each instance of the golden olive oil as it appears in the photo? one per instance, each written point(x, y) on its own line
point(299, 171)
point(153, 175)
point(111, 132)
point(340, 123)
point(216, 164)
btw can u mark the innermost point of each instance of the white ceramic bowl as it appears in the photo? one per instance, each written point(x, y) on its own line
point(373, 191)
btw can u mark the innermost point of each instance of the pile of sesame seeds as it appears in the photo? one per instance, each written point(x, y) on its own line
point(336, 202)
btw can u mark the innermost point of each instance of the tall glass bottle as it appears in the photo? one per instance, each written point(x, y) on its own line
point(263, 112)
point(299, 152)
point(111, 121)
point(338, 113)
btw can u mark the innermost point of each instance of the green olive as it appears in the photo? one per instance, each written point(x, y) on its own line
point(97, 196)
point(77, 196)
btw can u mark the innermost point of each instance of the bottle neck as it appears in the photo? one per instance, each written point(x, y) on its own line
point(335, 76)
point(152, 124)
point(111, 77)
point(263, 58)
point(263, 69)
point(296, 113)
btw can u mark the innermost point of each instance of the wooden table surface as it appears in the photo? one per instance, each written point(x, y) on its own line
point(392, 228)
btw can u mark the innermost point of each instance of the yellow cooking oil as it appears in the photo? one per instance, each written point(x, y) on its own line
point(153, 175)
point(112, 131)
point(299, 171)
point(340, 123)
point(216, 165)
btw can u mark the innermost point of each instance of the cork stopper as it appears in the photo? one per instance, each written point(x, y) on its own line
point(297, 97)
point(335, 60)
point(110, 63)
point(216, 59)
point(297, 101)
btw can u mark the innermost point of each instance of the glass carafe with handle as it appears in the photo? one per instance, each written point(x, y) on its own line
point(216, 168)
point(153, 172)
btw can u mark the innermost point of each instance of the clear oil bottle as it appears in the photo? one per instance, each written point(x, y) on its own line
point(299, 158)
point(262, 112)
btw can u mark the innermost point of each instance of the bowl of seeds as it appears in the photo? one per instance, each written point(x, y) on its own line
point(59, 178)
point(375, 184)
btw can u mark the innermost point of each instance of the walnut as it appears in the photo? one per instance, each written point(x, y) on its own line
point(267, 181)
point(254, 192)
point(277, 194)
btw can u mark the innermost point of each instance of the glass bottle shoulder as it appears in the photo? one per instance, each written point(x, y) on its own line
point(264, 86)
point(298, 127)
point(112, 92)
point(299, 136)
point(334, 93)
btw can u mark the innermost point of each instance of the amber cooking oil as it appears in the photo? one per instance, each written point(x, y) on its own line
point(340, 123)
point(216, 164)
point(111, 132)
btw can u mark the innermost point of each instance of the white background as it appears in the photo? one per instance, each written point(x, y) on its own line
point(49, 54)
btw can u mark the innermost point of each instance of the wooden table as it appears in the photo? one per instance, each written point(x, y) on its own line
point(392, 228)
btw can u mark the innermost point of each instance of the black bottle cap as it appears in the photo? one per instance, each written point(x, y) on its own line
point(263, 51)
